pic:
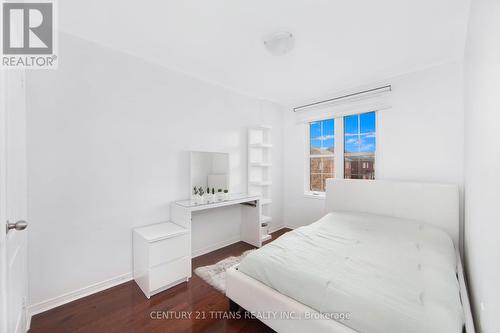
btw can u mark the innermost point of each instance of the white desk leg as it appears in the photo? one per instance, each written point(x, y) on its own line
point(182, 216)
point(250, 224)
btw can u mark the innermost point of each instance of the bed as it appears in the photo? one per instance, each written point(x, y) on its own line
point(382, 259)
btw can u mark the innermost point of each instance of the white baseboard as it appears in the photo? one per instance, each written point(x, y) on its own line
point(215, 246)
point(289, 226)
point(100, 286)
point(74, 295)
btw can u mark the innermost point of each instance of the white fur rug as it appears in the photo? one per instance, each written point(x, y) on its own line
point(215, 275)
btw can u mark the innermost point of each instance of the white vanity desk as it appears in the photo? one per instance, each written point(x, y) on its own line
point(183, 213)
point(163, 252)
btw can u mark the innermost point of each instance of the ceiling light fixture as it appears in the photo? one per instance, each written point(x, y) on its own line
point(279, 43)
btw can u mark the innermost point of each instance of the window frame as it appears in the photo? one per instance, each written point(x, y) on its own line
point(338, 156)
point(360, 133)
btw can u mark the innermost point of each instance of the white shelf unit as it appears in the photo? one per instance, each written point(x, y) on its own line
point(260, 183)
point(260, 164)
point(259, 171)
point(261, 145)
point(266, 201)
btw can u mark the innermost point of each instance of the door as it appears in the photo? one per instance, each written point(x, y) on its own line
point(13, 208)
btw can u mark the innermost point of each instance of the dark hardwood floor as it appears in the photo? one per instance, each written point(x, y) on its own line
point(124, 308)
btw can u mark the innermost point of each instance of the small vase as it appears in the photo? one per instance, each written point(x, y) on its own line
point(199, 200)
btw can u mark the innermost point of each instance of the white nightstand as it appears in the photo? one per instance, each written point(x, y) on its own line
point(162, 257)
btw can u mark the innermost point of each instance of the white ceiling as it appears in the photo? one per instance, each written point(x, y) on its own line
point(339, 44)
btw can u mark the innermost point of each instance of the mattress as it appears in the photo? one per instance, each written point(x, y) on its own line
point(377, 274)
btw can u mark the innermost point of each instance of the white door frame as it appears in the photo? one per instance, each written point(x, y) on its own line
point(3, 206)
point(13, 196)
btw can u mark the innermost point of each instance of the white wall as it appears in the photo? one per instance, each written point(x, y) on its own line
point(108, 141)
point(482, 162)
point(420, 138)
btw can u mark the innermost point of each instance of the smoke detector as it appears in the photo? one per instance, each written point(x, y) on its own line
point(280, 43)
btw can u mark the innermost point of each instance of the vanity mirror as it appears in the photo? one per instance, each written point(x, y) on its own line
point(209, 172)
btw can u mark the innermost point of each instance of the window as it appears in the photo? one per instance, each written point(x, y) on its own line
point(353, 157)
point(359, 146)
point(321, 153)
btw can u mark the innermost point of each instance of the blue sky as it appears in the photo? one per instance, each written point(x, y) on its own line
point(359, 133)
point(322, 133)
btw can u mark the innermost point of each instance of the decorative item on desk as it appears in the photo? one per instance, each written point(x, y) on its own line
point(219, 195)
point(226, 195)
point(200, 198)
point(208, 196)
point(195, 194)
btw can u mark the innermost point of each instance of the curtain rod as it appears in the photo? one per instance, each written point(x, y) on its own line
point(298, 108)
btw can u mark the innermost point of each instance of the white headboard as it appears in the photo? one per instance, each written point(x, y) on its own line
point(435, 204)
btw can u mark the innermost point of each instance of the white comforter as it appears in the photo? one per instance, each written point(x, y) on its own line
point(389, 275)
